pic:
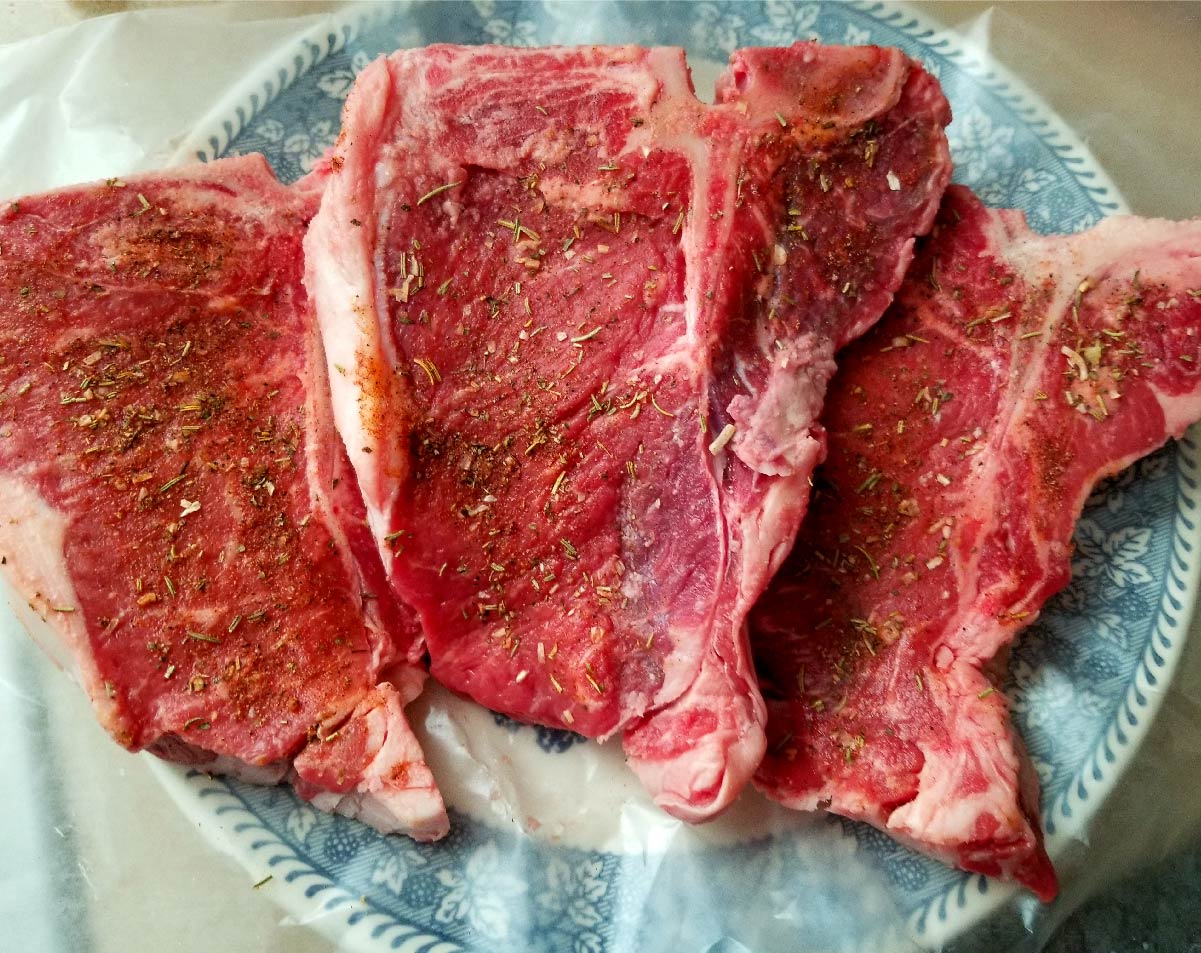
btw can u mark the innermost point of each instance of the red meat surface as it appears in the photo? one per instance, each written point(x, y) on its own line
point(965, 432)
point(177, 506)
point(579, 327)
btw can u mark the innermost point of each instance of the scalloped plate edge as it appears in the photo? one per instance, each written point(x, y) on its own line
point(312, 899)
point(347, 919)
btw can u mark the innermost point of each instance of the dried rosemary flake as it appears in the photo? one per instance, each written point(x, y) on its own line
point(517, 229)
point(872, 479)
point(874, 569)
point(438, 191)
point(580, 339)
point(597, 686)
point(430, 368)
point(655, 404)
point(1076, 361)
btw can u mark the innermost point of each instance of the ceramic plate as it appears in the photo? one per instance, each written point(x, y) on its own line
point(553, 847)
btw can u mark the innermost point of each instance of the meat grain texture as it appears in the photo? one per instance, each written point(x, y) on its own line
point(579, 328)
point(966, 431)
point(177, 506)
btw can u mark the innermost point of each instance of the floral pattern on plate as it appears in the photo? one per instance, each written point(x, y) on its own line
point(1078, 677)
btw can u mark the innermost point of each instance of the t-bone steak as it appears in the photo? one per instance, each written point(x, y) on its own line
point(176, 504)
point(579, 327)
point(966, 430)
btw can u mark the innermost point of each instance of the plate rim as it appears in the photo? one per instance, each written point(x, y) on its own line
point(961, 904)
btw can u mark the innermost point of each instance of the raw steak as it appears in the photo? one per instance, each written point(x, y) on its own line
point(579, 327)
point(966, 430)
point(177, 504)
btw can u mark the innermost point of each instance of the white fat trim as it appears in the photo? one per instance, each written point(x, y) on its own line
point(775, 426)
point(33, 544)
point(323, 445)
point(414, 808)
point(333, 291)
point(725, 758)
point(1026, 254)
point(1180, 411)
point(767, 539)
point(942, 813)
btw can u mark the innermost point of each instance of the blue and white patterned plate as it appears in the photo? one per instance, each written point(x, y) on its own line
point(553, 847)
